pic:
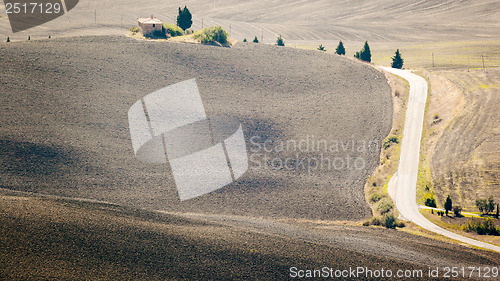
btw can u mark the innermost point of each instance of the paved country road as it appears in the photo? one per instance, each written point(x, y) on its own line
point(403, 185)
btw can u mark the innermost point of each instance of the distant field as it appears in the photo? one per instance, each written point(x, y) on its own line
point(383, 21)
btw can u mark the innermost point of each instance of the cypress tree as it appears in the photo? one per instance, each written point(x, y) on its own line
point(340, 49)
point(365, 54)
point(448, 204)
point(397, 60)
point(184, 19)
point(280, 41)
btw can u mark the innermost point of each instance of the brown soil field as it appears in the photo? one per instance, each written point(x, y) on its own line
point(65, 128)
point(48, 238)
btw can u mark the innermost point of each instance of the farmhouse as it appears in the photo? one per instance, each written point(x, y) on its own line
point(149, 25)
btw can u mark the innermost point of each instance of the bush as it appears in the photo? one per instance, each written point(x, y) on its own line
point(213, 36)
point(8, 39)
point(172, 30)
point(457, 211)
point(482, 227)
point(280, 41)
point(486, 206)
point(384, 205)
point(389, 220)
point(134, 29)
point(430, 202)
point(321, 47)
point(255, 40)
point(375, 197)
point(387, 142)
point(244, 40)
point(156, 34)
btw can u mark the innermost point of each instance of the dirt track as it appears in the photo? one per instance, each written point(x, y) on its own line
point(65, 131)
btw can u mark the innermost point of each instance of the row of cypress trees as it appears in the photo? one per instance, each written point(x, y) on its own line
point(365, 54)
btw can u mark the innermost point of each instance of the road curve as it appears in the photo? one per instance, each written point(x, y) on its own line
point(403, 185)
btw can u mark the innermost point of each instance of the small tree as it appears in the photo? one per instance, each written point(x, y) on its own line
point(448, 204)
point(49, 36)
point(29, 38)
point(340, 49)
point(244, 40)
point(321, 48)
point(457, 211)
point(184, 19)
point(365, 53)
point(356, 55)
point(397, 60)
point(280, 41)
point(497, 212)
point(430, 202)
point(255, 40)
point(486, 206)
point(491, 204)
point(8, 39)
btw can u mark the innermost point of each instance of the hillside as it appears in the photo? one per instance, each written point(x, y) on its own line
point(65, 127)
point(49, 238)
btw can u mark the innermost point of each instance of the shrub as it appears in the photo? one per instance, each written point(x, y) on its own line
point(321, 48)
point(384, 205)
point(244, 40)
point(156, 34)
point(486, 206)
point(172, 30)
point(213, 36)
point(482, 227)
point(430, 202)
point(457, 211)
point(134, 29)
point(255, 40)
point(8, 39)
point(29, 38)
point(389, 220)
point(340, 48)
point(280, 41)
point(375, 197)
point(387, 142)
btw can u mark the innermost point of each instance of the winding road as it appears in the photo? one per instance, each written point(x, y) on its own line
point(403, 185)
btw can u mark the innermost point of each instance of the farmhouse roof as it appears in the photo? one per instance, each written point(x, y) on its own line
point(150, 20)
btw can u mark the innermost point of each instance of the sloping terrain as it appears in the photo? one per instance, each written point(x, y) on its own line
point(65, 127)
point(360, 20)
point(466, 162)
point(46, 238)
